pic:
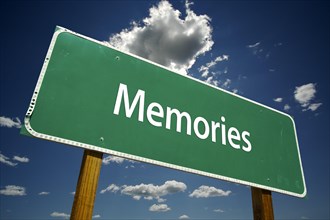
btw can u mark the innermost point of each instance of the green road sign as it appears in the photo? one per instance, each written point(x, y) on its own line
point(93, 96)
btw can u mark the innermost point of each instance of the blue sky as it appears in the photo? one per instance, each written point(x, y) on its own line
point(275, 53)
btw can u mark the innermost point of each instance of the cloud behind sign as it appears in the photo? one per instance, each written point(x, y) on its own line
point(167, 39)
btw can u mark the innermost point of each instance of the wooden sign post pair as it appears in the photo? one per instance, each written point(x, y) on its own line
point(83, 203)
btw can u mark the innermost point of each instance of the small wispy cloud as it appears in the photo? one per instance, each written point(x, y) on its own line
point(226, 83)
point(218, 210)
point(96, 216)
point(6, 160)
point(60, 215)
point(210, 80)
point(287, 107)
point(253, 45)
point(10, 123)
point(313, 107)
point(43, 193)
point(262, 51)
point(159, 208)
point(21, 159)
point(12, 190)
point(111, 188)
point(113, 159)
point(208, 191)
point(204, 69)
point(279, 99)
point(255, 48)
point(184, 217)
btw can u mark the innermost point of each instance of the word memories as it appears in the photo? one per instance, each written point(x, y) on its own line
point(155, 115)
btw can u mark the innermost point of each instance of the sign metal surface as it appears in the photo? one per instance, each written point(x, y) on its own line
point(93, 96)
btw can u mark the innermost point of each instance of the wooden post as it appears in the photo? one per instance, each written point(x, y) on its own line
point(262, 204)
point(84, 198)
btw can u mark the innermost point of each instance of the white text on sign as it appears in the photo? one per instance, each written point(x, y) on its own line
point(155, 113)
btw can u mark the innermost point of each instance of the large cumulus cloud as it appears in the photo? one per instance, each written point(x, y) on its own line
point(166, 38)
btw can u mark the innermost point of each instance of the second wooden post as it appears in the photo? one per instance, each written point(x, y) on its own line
point(262, 204)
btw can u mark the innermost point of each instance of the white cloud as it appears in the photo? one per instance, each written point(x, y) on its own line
point(113, 159)
point(5, 160)
point(253, 45)
point(159, 208)
point(184, 217)
point(96, 216)
point(60, 215)
point(235, 91)
point(111, 188)
point(218, 210)
point(314, 106)
point(107, 160)
point(258, 51)
point(279, 99)
point(12, 190)
point(167, 39)
point(43, 193)
point(8, 122)
point(208, 191)
point(226, 83)
point(160, 200)
point(216, 82)
point(150, 191)
point(286, 107)
point(305, 93)
point(212, 81)
point(21, 159)
point(73, 193)
point(205, 69)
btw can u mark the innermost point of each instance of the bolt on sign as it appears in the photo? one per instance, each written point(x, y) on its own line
point(93, 96)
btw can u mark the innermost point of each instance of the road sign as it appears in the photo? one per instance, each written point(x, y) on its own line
point(93, 96)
